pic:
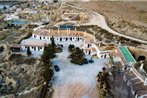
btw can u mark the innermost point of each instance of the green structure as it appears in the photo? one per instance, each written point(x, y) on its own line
point(18, 22)
point(127, 55)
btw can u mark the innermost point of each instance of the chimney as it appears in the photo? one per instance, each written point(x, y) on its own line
point(58, 30)
point(69, 31)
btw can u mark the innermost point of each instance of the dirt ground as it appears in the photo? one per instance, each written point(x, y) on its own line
point(138, 52)
point(127, 17)
point(74, 91)
point(132, 11)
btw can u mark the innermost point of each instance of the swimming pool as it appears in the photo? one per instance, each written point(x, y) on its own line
point(128, 56)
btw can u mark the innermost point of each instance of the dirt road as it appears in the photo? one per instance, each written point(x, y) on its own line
point(99, 20)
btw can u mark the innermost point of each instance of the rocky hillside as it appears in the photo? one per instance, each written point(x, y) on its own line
point(19, 73)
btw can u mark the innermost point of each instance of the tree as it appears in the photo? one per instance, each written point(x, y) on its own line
point(1, 48)
point(48, 54)
point(4, 8)
point(53, 42)
point(28, 51)
point(141, 58)
point(77, 57)
point(71, 47)
point(49, 51)
point(48, 73)
point(102, 83)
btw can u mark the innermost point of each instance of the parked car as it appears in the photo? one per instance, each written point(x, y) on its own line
point(56, 68)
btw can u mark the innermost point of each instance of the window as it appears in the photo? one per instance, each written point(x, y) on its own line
point(44, 37)
point(70, 38)
point(40, 37)
point(66, 38)
point(34, 48)
point(88, 45)
point(60, 39)
point(105, 56)
point(89, 52)
point(39, 48)
point(78, 39)
point(101, 56)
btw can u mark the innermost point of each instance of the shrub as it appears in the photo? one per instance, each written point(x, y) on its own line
point(1, 48)
point(15, 56)
point(71, 48)
point(3, 36)
point(85, 61)
point(91, 61)
point(77, 57)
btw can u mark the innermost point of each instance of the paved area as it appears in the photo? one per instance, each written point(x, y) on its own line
point(75, 81)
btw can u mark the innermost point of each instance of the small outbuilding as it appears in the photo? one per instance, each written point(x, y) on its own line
point(15, 48)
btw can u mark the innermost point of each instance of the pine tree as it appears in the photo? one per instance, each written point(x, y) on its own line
point(53, 42)
point(48, 54)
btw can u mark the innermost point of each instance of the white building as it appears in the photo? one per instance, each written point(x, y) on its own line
point(85, 41)
point(34, 45)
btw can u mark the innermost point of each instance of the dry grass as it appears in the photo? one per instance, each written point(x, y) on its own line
point(129, 12)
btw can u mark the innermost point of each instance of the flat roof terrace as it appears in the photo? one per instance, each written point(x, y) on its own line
point(127, 55)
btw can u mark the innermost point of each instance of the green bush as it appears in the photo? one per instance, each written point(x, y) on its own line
point(77, 57)
point(71, 48)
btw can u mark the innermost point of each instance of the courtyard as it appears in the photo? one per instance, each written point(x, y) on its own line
point(75, 81)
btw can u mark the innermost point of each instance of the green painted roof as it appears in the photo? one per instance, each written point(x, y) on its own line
point(128, 56)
